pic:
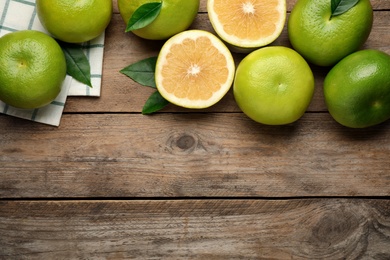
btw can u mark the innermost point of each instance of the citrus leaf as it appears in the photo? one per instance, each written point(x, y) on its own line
point(143, 16)
point(142, 72)
point(154, 103)
point(341, 6)
point(77, 64)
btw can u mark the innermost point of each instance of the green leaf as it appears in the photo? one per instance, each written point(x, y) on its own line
point(142, 72)
point(143, 16)
point(341, 6)
point(77, 64)
point(154, 103)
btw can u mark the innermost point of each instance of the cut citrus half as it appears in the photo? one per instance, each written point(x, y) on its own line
point(247, 23)
point(194, 69)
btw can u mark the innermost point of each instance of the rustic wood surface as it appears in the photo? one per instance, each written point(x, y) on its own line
point(196, 229)
point(111, 183)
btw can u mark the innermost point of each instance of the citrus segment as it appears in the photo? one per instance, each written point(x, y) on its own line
point(247, 23)
point(194, 69)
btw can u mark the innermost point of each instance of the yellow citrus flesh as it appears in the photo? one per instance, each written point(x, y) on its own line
point(194, 69)
point(247, 23)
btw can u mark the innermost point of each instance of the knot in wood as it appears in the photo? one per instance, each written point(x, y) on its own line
point(338, 226)
point(186, 142)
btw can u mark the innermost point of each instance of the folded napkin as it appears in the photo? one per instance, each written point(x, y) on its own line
point(18, 15)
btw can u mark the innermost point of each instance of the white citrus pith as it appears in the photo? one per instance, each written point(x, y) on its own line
point(247, 23)
point(194, 69)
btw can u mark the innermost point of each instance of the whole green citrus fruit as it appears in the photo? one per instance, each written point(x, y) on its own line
point(323, 39)
point(175, 16)
point(357, 89)
point(74, 21)
point(273, 85)
point(32, 69)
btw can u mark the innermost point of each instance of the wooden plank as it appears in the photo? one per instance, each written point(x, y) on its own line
point(121, 94)
point(195, 229)
point(179, 155)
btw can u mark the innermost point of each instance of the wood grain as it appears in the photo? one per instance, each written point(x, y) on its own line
point(197, 229)
point(180, 155)
point(110, 183)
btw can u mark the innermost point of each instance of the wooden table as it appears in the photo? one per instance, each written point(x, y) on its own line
point(111, 183)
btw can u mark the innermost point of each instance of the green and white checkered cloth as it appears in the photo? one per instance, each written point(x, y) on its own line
point(18, 15)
